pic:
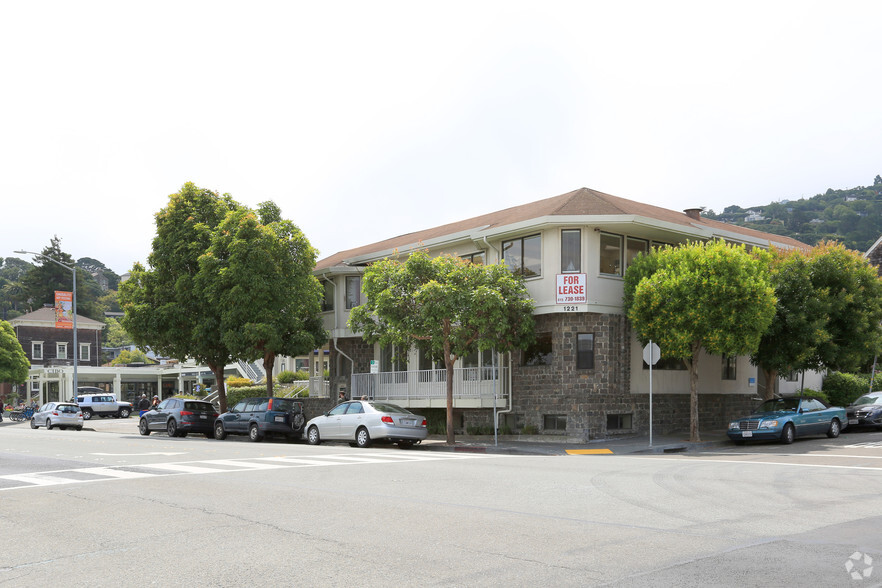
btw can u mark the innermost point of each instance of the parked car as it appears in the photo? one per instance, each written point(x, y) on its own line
point(362, 421)
point(785, 419)
point(101, 404)
point(178, 417)
point(866, 411)
point(258, 417)
point(58, 414)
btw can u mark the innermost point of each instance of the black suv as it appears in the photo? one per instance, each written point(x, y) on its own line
point(178, 417)
point(257, 417)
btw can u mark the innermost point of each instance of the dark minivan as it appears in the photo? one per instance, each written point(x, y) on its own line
point(258, 417)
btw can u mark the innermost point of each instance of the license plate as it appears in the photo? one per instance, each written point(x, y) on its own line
point(852, 421)
point(747, 433)
point(280, 419)
point(408, 422)
point(202, 416)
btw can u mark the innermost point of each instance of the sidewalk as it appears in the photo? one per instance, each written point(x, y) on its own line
point(673, 443)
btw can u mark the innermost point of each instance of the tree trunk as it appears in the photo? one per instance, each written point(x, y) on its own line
point(448, 363)
point(218, 372)
point(693, 395)
point(771, 376)
point(269, 360)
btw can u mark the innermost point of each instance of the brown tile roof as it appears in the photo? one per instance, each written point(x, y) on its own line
point(581, 202)
point(47, 315)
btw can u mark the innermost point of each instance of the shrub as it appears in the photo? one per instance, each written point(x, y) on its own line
point(233, 382)
point(842, 389)
point(286, 377)
point(234, 395)
point(817, 394)
point(530, 430)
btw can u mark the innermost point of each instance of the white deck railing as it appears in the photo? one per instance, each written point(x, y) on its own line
point(468, 383)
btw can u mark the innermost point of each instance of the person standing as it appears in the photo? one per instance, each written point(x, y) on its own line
point(143, 405)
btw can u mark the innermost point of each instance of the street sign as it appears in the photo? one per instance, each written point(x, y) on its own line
point(651, 353)
point(375, 366)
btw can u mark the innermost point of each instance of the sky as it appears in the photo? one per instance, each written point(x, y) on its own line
point(367, 120)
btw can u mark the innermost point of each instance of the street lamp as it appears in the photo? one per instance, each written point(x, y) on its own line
point(76, 349)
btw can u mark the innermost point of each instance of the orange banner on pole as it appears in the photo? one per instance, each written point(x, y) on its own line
point(63, 310)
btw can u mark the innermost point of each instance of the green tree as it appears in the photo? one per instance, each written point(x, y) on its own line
point(700, 296)
point(445, 306)
point(12, 271)
point(115, 335)
point(126, 357)
point(164, 309)
point(14, 364)
point(798, 326)
point(258, 271)
point(40, 283)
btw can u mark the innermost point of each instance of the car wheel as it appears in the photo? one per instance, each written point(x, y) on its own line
point(312, 436)
point(143, 428)
point(87, 414)
point(298, 421)
point(172, 428)
point(124, 413)
point(254, 433)
point(79, 428)
point(48, 424)
point(219, 432)
point(362, 437)
point(835, 429)
point(33, 424)
point(788, 434)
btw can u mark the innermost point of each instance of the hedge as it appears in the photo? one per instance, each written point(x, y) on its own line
point(843, 389)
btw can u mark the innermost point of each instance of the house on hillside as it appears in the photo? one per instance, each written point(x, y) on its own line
point(584, 377)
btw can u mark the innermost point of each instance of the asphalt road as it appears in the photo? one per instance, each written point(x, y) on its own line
point(102, 508)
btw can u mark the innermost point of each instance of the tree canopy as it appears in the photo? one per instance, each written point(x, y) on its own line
point(14, 364)
point(447, 307)
point(708, 296)
point(39, 284)
point(828, 312)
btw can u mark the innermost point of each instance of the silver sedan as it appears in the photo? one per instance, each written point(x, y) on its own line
point(362, 421)
point(58, 414)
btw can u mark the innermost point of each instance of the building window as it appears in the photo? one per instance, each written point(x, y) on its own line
point(540, 352)
point(523, 256)
point(301, 364)
point(475, 258)
point(554, 422)
point(37, 350)
point(85, 351)
point(611, 254)
point(585, 351)
point(328, 298)
point(619, 422)
point(393, 359)
point(61, 350)
point(792, 376)
point(729, 364)
point(353, 291)
point(570, 250)
point(635, 248)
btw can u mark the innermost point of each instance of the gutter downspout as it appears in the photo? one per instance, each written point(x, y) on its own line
point(489, 246)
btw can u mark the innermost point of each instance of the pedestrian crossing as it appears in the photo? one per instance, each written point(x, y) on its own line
point(218, 466)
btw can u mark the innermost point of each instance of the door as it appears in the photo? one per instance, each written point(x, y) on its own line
point(329, 428)
point(351, 420)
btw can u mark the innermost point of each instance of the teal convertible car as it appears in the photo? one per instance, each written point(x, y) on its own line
point(785, 419)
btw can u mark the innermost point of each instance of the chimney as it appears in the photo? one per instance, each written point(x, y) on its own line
point(693, 213)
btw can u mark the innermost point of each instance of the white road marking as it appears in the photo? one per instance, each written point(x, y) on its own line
point(108, 473)
point(140, 454)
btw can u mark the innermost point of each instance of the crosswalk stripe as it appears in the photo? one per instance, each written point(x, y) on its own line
point(116, 473)
point(38, 479)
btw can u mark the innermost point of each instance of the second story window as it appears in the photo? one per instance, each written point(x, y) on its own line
point(475, 258)
point(84, 351)
point(523, 256)
point(570, 250)
point(61, 350)
point(328, 300)
point(611, 254)
point(353, 291)
point(37, 350)
point(635, 248)
point(729, 364)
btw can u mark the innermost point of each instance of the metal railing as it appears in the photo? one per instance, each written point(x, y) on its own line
point(468, 383)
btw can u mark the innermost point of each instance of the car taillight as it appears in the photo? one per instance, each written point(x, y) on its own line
point(270, 405)
point(388, 419)
point(424, 422)
point(186, 413)
point(54, 413)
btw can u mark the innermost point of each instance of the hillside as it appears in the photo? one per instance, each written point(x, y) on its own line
point(851, 216)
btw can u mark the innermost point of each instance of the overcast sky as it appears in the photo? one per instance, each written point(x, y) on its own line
point(366, 120)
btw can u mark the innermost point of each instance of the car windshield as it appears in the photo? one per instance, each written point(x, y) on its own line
point(778, 404)
point(386, 407)
point(868, 400)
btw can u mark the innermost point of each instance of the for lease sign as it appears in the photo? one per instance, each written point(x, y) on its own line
point(571, 289)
